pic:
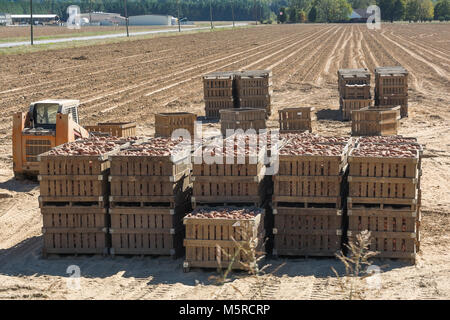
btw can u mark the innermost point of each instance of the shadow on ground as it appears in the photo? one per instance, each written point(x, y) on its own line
point(19, 185)
point(329, 114)
point(25, 259)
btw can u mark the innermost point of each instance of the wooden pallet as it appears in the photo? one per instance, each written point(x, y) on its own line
point(307, 232)
point(347, 106)
point(382, 203)
point(117, 129)
point(166, 123)
point(299, 119)
point(307, 202)
point(204, 236)
point(72, 201)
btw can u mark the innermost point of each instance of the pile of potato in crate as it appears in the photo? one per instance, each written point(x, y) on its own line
point(385, 195)
point(308, 192)
point(74, 195)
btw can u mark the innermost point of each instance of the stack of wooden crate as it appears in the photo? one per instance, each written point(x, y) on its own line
point(223, 236)
point(228, 174)
point(254, 89)
point(74, 196)
point(244, 119)
point(218, 93)
point(150, 194)
point(384, 194)
point(354, 90)
point(166, 123)
point(307, 197)
point(391, 88)
point(377, 121)
point(298, 119)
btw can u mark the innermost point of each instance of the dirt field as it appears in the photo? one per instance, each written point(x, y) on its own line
point(134, 80)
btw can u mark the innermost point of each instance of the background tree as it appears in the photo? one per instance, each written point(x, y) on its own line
point(282, 15)
point(293, 15)
point(312, 15)
point(442, 10)
point(302, 16)
point(399, 10)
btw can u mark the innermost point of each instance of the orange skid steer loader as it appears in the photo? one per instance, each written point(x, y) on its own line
point(47, 124)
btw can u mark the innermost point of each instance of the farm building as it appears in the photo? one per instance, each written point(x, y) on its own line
point(37, 18)
point(103, 18)
point(5, 19)
point(150, 20)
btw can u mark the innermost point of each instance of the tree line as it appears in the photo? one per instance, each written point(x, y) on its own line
point(268, 11)
point(339, 10)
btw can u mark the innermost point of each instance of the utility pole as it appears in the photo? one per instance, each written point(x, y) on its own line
point(254, 12)
point(126, 18)
point(178, 15)
point(210, 13)
point(232, 11)
point(90, 12)
point(31, 21)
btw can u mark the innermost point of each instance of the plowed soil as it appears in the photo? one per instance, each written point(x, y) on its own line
point(134, 80)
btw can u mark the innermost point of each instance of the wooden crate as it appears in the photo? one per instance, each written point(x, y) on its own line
point(393, 245)
point(149, 230)
point(254, 92)
point(383, 166)
point(253, 79)
point(213, 106)
point(347, 106)
point(167, 123)
point(54, 217)
point(75, 241)
point(296, 119)
point(307, 231)
point(242, 119)
point(206, 239)
point(352, 76)
point(356, 91)
point(117, 129)
point(386, 220)
point(218, 80)
point(311, 165)
point(260, 102)
point(375, 121)
point(382, 187)
point(307, 186)
point(73, 185)
point(389, 79)
point(392, 101)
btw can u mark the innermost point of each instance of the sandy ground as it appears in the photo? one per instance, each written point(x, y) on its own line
point(134, 80)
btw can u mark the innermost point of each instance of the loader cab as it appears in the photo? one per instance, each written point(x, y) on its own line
point(43, 113)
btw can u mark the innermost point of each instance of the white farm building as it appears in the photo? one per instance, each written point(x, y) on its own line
point(150, 20)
